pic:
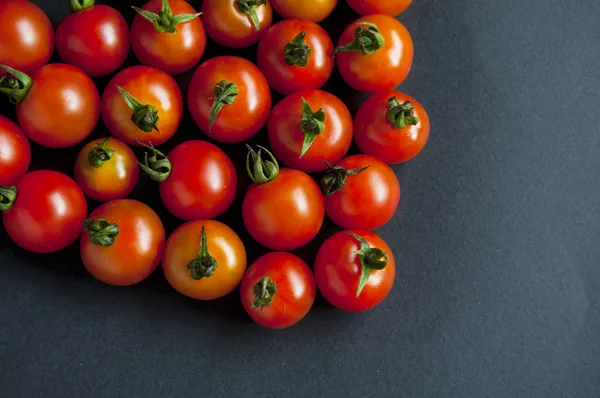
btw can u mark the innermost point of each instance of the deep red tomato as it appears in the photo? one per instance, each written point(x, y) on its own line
point(94, 38)
point(43, 214)
point(15, 152)
point(168, 35)
point(375, 53)
point(309, 10)
point(148, 109)
point(361, 192)
point(27, 36)
point(234, 94)
point(123, 242)
point(388, 7)
point(236, 23)
point(278, 290)
point(106, 169)
point(308, 128)
point(283, 209)
point(295, 56)
point(204, 260)
point(391, 126)
point(355, 270)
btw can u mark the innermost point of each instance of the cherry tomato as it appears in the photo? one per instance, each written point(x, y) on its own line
point(278, 290)
point(123, 242)
point(391, 126)
point(204, 260)
point(295, 56)
point(235, 92)
point(361, 192)
point(311, 10)
point(283, 209)
point(168, 35)
point(27, 36)
point(388, 7)
point(15, 152)
point(94, 38)
point(355, 270)
point(236, 23)
point(308, 128)
point(44, 212)
point(381, 65)
point(148, 108)
point(106, 169)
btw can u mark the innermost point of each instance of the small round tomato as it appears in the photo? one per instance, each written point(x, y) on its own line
point(15, 152)
point(283, 209)
point(236, 23)
point(311, 10)
point(142, 104)
point(43, 212)
point(27, 36)
point(375, 53)
point(355, 270)
point(123, 242)
point(204, 260)
point(308, 128)
point(391, 126)
point(361, 192)
point(278, 290)
point(106, 170)
point(295, 56)
point(388, 7)
point(229, 99)
point(95, 38)
point(168, 35)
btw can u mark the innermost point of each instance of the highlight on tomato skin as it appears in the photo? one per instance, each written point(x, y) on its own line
point(15, 152)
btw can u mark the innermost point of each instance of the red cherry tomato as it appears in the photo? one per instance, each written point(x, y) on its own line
point(355, 270)
point(27, 36)
point(123, 242)
point(391, 126)
point(106, 169)
point(388, 7)
point(278, 290)
point(308, 128)
point(236, 92)
point(94, 38)
point(380, 66)
point(295, 56)
point(47, 213)
point(309, 10)
point(15, 152)
point(361, 192)
point(149, 109)
point(236, 23)
point(175, 42)
point(283, 209)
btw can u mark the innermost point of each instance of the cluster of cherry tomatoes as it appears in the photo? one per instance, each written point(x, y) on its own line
point(310, 131)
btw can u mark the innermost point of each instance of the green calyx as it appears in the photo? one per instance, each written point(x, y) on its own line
point(15, 84)
point(371, 259)
point(335, 178)
point(203, 265)
point(264, 293)
point(401, 115)
point(100, 154)
point(165, 21)
point(101, 232)
point(156, 165)
point(7, 197)
point(80, 5)
point(312, 124)
point(145, 117)
point(225, 93)
point(366, 40)
point(297, 51)
point(259, 170)
point(249, 7)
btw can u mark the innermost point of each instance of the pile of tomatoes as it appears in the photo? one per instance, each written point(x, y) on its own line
point(309, 132)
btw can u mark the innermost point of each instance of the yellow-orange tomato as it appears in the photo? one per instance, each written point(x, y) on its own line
point(388, 7)
point(311, 10)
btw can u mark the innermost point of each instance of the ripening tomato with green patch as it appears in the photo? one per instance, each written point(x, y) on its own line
point(15, 152)
point(307, 10)
point(388, 7)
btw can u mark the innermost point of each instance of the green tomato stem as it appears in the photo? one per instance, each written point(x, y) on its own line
point(157, 165)
point(259, 170)
point(335, 178)
point(297, 51)
point(8, 195)
point(80, 5)
point(312, 124)
point(145, 117)
point(366, 40)
point(165, 21)
point(15, 84)
point(248, 7)
point(101, 232)
point(371, 259)
point(100, 154)
point(225, 93)
point(204, 265)
point(401, 115)
point(264, 293)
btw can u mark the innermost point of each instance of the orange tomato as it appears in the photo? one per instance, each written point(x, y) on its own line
point(388, 7)
point(308, 10)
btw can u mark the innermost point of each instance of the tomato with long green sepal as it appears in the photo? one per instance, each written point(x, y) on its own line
point(15, 152)
point(306, 10)
point(388, 7)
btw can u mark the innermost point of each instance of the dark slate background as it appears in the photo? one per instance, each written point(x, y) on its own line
point(497, 241)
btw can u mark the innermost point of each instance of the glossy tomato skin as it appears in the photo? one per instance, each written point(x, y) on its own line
point(202, 184)
point(114, 179)
point(376, 136)
point(311, 10)
point(27, 36)
point(173, 53)
point(287, 79)
point(48, 212)
point(338, 270)
point(384, 69)
point(295, 294)
point(286, 137)
point(388, 7)
point(149, 86)
point(230, 27)
point(15, 152)
point(95, 40)
point(137, 249)
point(248, 113)
point(224, 245)
point(285, 213)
